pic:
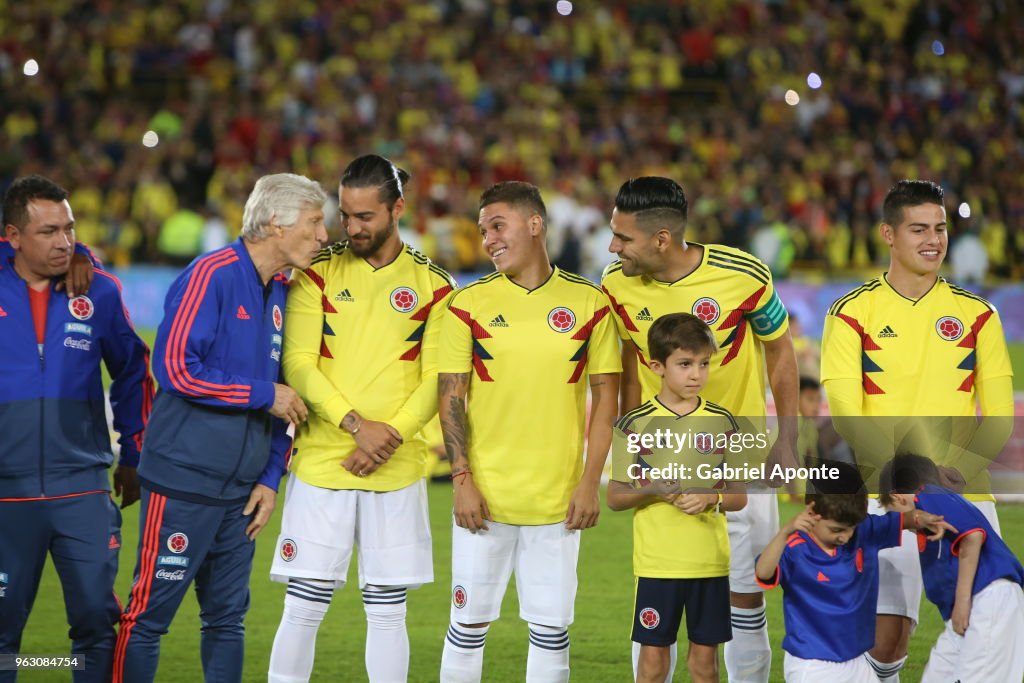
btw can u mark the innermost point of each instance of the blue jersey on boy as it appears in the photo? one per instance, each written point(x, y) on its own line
point(940, 560)
point(830, 595)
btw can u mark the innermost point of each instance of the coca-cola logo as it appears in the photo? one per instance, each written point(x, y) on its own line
point(170, 574)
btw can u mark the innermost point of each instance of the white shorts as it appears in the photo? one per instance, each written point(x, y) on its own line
point(543, 558)
point(750, 530)
point(899, 574)
point(856, 670)
point(320, 527)
point(992, 647)
point(988, 508)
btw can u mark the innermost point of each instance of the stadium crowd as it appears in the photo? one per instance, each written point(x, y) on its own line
point(464, 93)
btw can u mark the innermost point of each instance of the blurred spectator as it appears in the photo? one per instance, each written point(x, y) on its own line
point(465, 93)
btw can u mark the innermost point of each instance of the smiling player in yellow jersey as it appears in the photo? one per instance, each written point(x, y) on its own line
point(359, 349)
point(911, 344)
point(658, 272)
point(517, 350)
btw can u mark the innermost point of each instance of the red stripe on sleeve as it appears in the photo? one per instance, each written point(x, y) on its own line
point(183, 320)
point(954, 546)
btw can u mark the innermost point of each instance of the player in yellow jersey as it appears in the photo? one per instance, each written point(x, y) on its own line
point(680, 539)
point(911, 344)
point(659, 272)
point(360, 349)
point(517, 350)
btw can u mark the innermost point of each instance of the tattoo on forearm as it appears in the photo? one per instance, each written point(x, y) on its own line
point(455, 425)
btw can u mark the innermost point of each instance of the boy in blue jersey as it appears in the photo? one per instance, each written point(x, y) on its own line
point(971, 576)
point(826, 560)
point(54, 481)
point(215, 449)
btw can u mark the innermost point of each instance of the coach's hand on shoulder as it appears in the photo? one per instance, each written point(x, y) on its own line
point(261, 502)
point(78, 279)
point(584, 506)
point(288, 405)
point(126, 485)
point(470, 508)
point(377, 439)
point(360, 464)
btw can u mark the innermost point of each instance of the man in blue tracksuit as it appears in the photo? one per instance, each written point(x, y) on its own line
point(216, 443)
point(54, 485)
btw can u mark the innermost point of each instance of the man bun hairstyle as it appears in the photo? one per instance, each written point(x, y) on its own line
point(373, 170)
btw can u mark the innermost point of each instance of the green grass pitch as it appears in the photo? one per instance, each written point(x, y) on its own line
point(600, 636)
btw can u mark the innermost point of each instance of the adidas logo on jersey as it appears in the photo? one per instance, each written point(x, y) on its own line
point(344, 295)
point(644, 314)
point(499, 321)
point(886, 333)
point(242, 314)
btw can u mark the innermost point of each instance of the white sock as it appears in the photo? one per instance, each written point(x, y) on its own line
point(748, 656)
point(387, 641)
point(547, 660)
point(887, 672)
point(462, 660)
point(673, 653)
point(305, 604)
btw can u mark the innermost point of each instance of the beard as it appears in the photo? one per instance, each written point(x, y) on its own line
point(364, 249)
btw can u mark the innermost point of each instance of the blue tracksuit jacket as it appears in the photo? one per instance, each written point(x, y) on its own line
point(52, 415)
point(216, 358)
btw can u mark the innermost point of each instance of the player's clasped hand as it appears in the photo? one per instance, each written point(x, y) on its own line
point(361, 464)
point(287, 405)
point(694, 502)
point(379, 440)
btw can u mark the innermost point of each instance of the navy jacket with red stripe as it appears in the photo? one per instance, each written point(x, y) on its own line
point(52, 409)
point(216, 358)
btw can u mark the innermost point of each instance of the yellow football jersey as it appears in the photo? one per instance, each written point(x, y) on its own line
point(916, 359)
point(919, 357)
point(363, 338)
point(733, 293)
point(529, 354)
point(667, 542)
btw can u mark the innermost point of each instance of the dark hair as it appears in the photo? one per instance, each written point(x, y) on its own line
point(517, 194)
point(373, 170)
point(656, 203)
point(909, 193)
point(905, 473)
point(679, 331)
point(25, 189)
point(846, 508)
point(809, 383)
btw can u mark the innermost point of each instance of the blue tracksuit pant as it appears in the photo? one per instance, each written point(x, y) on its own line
point(181, 542)
point(83, 535)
